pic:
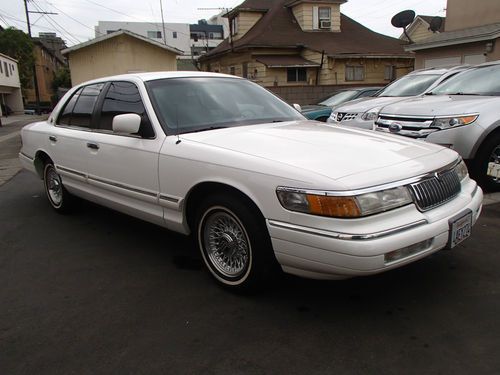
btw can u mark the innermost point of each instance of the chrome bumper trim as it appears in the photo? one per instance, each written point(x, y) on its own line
point(345, 236)
point(26, 156)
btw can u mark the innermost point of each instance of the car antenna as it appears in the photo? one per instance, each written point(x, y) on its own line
point(177, 125)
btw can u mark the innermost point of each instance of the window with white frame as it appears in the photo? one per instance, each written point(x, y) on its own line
point(174, 34)
point(234, 25)
point(390, 73)
point(354, 73)
point(296, 75)
point(325, 17)
point(154, 34)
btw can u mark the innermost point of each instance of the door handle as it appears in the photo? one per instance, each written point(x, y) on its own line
point(52, 138)
point(93, 146)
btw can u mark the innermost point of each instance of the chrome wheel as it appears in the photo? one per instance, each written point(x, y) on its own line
point(54, 186)
point(495, 158)
point(225, 243)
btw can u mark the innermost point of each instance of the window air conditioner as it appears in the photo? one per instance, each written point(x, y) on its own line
point(325, 24)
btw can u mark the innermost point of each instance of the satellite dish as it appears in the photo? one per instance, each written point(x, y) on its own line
point(436, 24)
point(403, 19)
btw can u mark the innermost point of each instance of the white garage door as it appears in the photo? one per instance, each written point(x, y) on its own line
point(474, 59)
point(432, 63)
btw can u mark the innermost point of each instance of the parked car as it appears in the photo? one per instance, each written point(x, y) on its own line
point(254, 182)
point(322, 110)
point(463, 114)
point(363, 112)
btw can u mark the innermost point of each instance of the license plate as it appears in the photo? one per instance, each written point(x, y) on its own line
point(494, 170)
point(460, 229)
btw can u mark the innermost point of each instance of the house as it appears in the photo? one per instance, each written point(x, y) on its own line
point(11, 98)
point(471, 35)
point(304, 49)
point(205, 37)
point(118, 52)
point(420, 28)
point(48, 58)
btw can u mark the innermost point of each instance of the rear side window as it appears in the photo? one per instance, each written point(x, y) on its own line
point(121, 98)
point(79, 108)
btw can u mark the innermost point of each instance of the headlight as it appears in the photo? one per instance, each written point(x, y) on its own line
point(323, 204)
point(454, 121)
point(371, 115)
point(461, 170)
point(332, 118)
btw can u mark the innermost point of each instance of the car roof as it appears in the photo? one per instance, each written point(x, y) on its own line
point(151, 76)
point(440, 69)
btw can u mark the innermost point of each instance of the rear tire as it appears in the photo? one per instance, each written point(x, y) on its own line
point(489, 152)
point(57, 195)
point(234, 243)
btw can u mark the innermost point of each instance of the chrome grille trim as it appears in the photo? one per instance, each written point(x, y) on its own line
point(436, 190)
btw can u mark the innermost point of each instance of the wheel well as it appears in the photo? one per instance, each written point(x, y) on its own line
point(484, 140)
point(41, 158)
point(204, 189)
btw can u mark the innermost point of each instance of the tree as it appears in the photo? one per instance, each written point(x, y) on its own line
point(18, 45)
point(62, 79)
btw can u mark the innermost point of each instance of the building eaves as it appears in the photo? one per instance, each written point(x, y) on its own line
point(118, 33)
point(449, 38)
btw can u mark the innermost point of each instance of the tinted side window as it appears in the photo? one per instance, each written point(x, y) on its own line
point(121, 98)
point(82, 113)
point(79, 108)
point(65, 117)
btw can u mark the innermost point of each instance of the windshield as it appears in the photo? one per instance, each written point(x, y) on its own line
point(484, 80)
point(186, 105)
point(410, 85)
point(338, 98)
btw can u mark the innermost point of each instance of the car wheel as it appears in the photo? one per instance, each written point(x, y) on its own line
point(489, 152)
point(234, 243)
point(58, 196)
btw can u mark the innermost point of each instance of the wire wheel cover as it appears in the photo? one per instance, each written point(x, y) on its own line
point(226, 244)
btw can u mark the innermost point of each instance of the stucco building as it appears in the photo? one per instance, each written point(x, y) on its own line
point(10, 87)
point(119, 52)
point(283, 43)
point(471, 35)
point(48, 60)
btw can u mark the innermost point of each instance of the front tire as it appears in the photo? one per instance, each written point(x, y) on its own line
point(234, 243)
point(57, 195)
point(489, 152)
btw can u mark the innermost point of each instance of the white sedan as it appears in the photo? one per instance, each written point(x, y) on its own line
point(257, 185)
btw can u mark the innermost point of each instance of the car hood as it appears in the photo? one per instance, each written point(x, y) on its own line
point(330, 151)
point(441, 105)
point(364, 104)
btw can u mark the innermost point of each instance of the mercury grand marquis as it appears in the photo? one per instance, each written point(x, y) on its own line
point(256, 185)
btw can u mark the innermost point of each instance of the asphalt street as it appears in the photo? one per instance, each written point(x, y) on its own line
point(98, 292)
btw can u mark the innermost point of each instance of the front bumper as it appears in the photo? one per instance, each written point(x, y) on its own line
point(321, 254)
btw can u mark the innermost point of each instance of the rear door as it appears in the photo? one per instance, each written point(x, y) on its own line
point(123, 169)
point(67, 140)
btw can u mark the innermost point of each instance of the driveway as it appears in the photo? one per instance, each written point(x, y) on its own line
point(97, 292)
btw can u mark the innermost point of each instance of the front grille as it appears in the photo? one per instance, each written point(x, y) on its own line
point(345, 116)
point(437, 190)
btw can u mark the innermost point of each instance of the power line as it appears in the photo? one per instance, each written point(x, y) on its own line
point(74, 19)
point(52, 22)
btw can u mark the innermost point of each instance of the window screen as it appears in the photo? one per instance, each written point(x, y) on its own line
point(354, 73)
point(121, 98)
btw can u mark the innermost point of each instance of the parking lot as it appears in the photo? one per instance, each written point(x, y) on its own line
point(100, 292)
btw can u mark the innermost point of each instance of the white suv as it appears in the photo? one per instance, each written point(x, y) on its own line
point(361, 113)
point(462, 113)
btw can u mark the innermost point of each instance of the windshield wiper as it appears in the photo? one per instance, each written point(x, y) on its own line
point(463, 93)
point(209, 128)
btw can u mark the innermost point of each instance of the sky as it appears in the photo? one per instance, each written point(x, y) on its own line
point(76, 19)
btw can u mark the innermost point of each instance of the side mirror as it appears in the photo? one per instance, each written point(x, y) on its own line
point(297, 107)
point(128, 123)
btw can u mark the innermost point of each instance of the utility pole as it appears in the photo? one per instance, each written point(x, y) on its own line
point(35, 80)
point(163, 23)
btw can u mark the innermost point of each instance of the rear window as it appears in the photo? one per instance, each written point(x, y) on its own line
point(410, 85)
point(483, 80)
